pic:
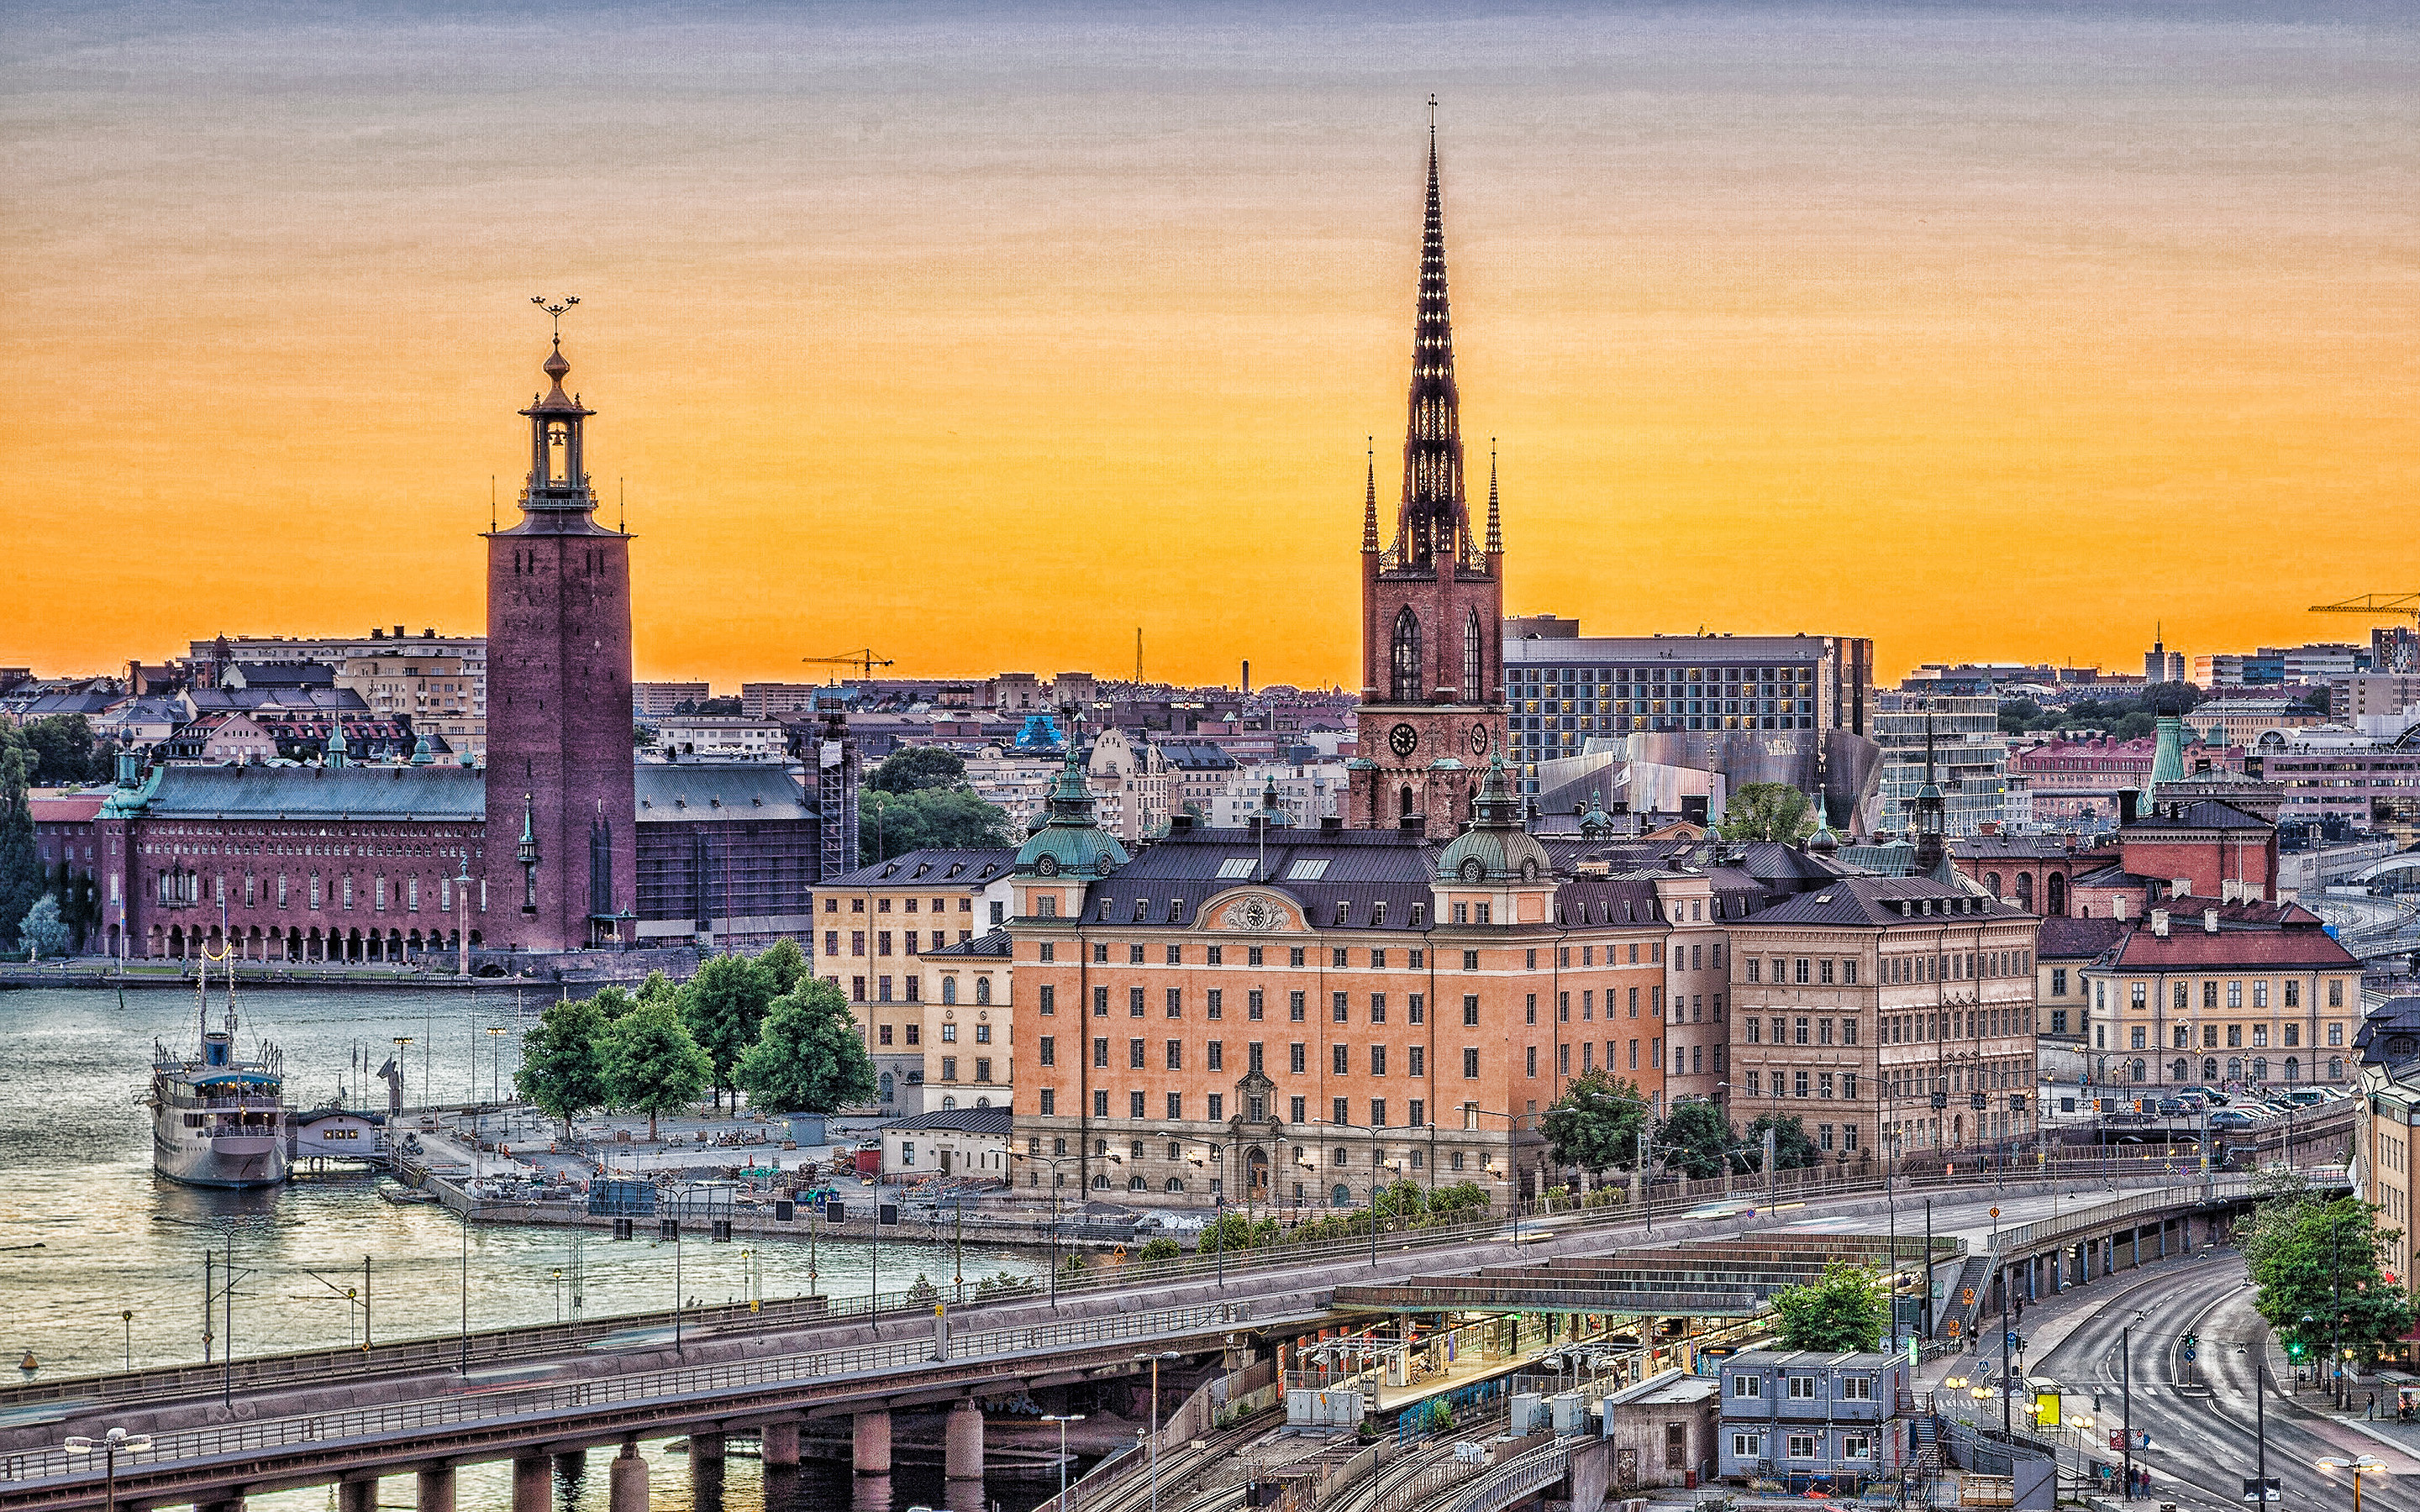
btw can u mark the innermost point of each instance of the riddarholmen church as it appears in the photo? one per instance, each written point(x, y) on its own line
point(563, 842)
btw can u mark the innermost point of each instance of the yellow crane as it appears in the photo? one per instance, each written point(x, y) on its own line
point(863, 658)
point(2407, 604)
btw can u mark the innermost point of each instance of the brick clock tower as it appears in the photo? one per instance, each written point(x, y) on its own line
point(562, 847)
point(1432, 709)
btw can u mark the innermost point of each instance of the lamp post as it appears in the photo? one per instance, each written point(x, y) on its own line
point(2359, 1465)
point(1219, 1193)
point(110, 1445)
point(227, 1355)
point(1063, 1420)
point(495, 1064)
point(1374, 1184)
point(1155, 1359)
point(1054, 1162)
point(127, 1316)
point(1512, 1157)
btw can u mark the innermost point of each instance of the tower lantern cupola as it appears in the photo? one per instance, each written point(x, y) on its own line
point(558, 475)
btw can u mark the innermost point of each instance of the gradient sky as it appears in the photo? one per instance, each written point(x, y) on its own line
point(986, 334)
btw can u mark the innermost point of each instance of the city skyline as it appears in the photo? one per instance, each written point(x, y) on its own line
point(884, 365)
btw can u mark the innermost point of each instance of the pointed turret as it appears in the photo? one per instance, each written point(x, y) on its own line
point(1495, 512)
point(1071, 842)
point(1931, 839)
point(2167, 756)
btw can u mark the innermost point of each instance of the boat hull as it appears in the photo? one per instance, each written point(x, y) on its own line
point(242, 1161)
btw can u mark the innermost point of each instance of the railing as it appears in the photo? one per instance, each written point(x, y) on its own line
point(518, 1401)
point(1517, 1477)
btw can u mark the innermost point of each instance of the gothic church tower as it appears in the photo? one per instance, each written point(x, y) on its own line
point(1433, 710)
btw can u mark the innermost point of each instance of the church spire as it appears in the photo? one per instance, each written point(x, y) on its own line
point(1370, 499)
point(1436, 519)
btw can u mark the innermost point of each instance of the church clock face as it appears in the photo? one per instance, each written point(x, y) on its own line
point(1402, 740)
point(1478, 741)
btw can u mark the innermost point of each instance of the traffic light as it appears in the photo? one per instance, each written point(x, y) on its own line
point(2191, 1340)
point(2295, 1349)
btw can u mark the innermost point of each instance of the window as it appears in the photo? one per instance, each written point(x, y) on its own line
point(1470, 1062)
point(1470, 1011)
point(1417, 1057)
point(1135, 1105)
point(1856, 1388)
point(1176, 1053)
point(1802, 1445)
point(1175, 1002)
point(1048, 1049)
point(1856, 1446)
point(1747, 1386)
point(1802, 1388)
point(1747, 1445)
point(1377, 1060)
point(1134, 1055)
point(1134, 1002)
point(1339, 1059)
point(1295, 1057)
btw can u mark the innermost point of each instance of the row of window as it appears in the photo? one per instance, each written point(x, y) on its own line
point(2182, 1036)
point(948, 1035)
point(1804, 1388)
point(2139, 1070)
point(910, 941)
point(915, 989)
point(1822, 1087)
point(178, 887)
point(1854, 1445)
point(2181, 997)
point(907, 905)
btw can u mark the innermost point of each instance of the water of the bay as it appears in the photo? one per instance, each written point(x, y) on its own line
point(89, 1234)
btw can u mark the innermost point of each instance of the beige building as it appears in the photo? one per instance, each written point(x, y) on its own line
point(436, 691)
point(2204, 993)
point(2382, 1138)
point(904, 940)
point(1131, 782)
point(1892, 1007)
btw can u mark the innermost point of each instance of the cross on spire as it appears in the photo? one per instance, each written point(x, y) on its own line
point(555, 308)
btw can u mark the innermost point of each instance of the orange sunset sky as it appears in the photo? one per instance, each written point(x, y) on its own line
point(985, 334)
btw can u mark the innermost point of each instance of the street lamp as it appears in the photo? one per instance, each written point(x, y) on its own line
point(117, 1441)
point(128, 1318)
point(2359, 1465)
point(1063, 1420)
point(1219, 1195)
point(1054, 1162)
point(1374, 1182)
point(1170, 1354)
point(495, 1064)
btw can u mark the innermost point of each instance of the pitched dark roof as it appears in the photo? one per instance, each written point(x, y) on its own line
point(1357, 868)
point(451, 793)
point(962, 1120)
point(937, 867)
point(2062, 938)
point(2012, 847)
point(2202, 813)
point(1194, 756)
point(669, 793)
point(995, 945)
point(2189, 947)
point(1873, 902)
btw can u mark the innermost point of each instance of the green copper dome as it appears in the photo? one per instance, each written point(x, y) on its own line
point(1070, 842)
point(1496, 847)
point(2169, 755)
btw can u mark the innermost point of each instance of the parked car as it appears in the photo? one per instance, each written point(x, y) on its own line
point(2172, 1107)
point(2232, 1118)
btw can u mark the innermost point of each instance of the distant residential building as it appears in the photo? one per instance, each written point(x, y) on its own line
point(2030, 871)
point(1199, 773)
point(1130, 780)
point(1307, 792)
point(209, 661)
point(2365, 695)
point(1566, 689)
point(2075, 782)
point(773, 700)
point(1016, 693)
point(2197, 847)
point(1969, 760)
point(2208, 991)
point(2329, 772)
point(1013, 782)
point(722, 737)
point(433, 692)
point(653, 700)
point(2239, 721)
point(228, 736)
point(2160, 665)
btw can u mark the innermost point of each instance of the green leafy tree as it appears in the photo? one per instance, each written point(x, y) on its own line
point(808, 1057)
point(63, 750)
point(723, 1006)
point(1159, 1251)
point(915, 768)
point(1841, 1314)
point(1791, 1150)
point(21, 865)
point(1596, 1122)
point(893, 824)
point(613, 1002)
point(2320, 1283)
point(787, 962)
point(657, 985)
point(563, 1070)
point(1768, 811)
point(652, 1065)
point(43, 932)
point(1697, 1140)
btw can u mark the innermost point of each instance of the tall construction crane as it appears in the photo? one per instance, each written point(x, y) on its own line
point(2407, 604)
point(862, 658)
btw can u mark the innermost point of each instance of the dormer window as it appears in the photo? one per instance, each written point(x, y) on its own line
point(1176, 911)
point(1420, 915)
point(1104, 915)
point(1343, 911)
point(1378, 915)
point(1142, 910)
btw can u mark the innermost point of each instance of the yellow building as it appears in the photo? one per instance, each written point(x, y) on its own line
point(2231, 995)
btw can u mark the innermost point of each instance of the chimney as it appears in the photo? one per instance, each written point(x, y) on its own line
point(1416, 824)
point(398, 632)
point(2210, 921)
point(1180, 823)
point(1331, 824)
point(2127, 799)
point(2230, 892)
point(2159, 922)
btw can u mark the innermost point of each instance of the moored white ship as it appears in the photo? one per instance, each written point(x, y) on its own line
point(217, 1121)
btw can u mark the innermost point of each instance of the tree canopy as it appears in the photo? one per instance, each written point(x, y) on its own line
point(21, 864)
point(808, 1057)
point(1791, 1150)
point(1595, 1123)
point(724, 1007)
point(1768, 811)
point(893, 824)
point(563, 1070)
point(42, 931)
point(63, 750)
point(915, 768)
point(2317, 1266)
point(787, 962)
point(653, 1066)
point(1841, 1314)
point(1697, 1140)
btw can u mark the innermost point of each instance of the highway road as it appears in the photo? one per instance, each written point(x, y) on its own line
point(2204, 1448)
